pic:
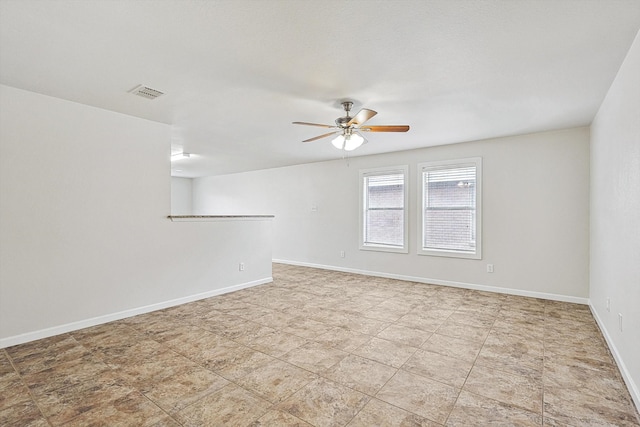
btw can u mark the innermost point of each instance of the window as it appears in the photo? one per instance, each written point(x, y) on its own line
point(451, 208)
point(383, 213)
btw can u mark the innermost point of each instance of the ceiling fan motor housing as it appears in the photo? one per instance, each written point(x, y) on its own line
point(342, 121)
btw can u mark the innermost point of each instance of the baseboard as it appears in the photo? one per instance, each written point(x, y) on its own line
point(518, 292)
point(74, 326)
point(631, 385)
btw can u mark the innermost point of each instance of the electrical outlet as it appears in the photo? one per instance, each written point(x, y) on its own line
point(609, 304)
point(489, 268)
point(341, 254)
point(620, 321)
point(241, 266)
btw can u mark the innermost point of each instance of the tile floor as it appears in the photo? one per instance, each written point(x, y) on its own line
point(324, 348)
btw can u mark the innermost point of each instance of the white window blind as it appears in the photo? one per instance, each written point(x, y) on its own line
point(384, 210)
point(450, 213)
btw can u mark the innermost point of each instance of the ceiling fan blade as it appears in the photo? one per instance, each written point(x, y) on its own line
point(386, 128)
point(313, 124)
point(321, 136)
point(362, 116)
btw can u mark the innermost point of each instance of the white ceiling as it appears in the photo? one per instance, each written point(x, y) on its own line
point(237, 73)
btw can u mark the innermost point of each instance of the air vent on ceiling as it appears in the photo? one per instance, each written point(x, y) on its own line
point(146, 92)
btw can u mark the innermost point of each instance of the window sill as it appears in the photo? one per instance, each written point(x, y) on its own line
point(450, 254)
point(383, 248)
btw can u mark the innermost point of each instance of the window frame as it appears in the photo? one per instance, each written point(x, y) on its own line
point(362, 209)
point(450, 164)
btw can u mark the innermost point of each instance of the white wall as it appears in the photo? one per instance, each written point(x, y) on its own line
point(535, 214)
point(84, 234)
point(615, 217)
point(181, 203)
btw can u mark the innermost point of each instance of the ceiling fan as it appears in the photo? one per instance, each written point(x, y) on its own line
point(348, 128)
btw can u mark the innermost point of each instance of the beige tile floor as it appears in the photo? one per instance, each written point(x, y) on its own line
point(324, 348)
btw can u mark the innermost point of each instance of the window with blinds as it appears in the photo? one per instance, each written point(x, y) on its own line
point(383, 209)
point(451, 208)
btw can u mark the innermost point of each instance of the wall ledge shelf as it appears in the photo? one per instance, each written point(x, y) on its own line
point(209, 218)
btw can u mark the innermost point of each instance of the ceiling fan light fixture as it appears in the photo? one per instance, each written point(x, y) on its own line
point(347, 142)
point(352, 141)
point(338, 142)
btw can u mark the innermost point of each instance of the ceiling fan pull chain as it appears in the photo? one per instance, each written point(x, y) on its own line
point(345, 157)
